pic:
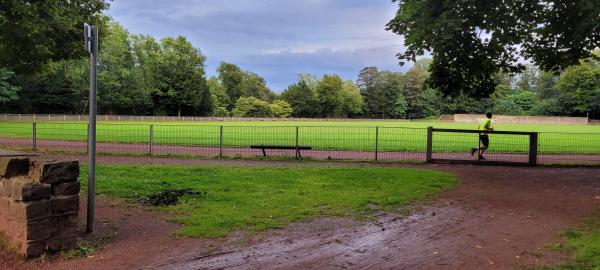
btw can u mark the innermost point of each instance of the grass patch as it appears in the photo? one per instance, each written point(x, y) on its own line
point(584, 244)
point(259, 198)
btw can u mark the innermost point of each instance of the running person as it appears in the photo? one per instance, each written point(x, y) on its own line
point(484, 139)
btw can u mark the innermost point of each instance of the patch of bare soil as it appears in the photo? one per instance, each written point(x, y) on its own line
point(496, 218)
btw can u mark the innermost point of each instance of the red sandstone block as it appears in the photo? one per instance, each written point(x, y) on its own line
point(29, 210)
point(64, 204)
point(13, 166)
point(4, 206)
point(69, 225)
point(33, 248)
point(70, 188)
point(5, 187)
point(25, 190)
point(40, 229)
point(56, 244)
point(54, 172)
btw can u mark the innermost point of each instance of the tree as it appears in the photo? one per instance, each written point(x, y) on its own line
point(252, 107)
point(121, 89)
point(472, 40)
point(219, 98)
point(414, 90)
point(302, 98)
point(579, 88)
point(50, 91)
point(32, 33)
point(180, 76)
point(352, 101)
point(329, 95)
point(255, 86)
point(520, 102)
point(8, 92)
point(232, 78)
point(281, 109)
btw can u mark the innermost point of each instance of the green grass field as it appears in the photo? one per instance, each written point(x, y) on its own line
point(259, 198)
point(393, 136)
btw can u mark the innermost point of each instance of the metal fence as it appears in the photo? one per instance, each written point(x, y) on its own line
point(324, 142)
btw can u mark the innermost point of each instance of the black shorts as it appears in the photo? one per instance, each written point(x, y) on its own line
point(485, 140)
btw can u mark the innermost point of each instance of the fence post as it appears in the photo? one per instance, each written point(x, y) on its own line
point(376, 143)
point(533, 148)
point(34, 136)
point(220, 141)
point(151, 138)
point(429, 144)
point(88, 134)
point(297, 145)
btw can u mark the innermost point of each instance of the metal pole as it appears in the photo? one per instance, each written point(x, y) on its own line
point(297, 146)
point(34, 136)
point(221, 141)
point(376, 143)
point(151, 138)
point(92, 130)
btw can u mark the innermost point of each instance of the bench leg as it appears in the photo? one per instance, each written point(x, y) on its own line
point(264, 153)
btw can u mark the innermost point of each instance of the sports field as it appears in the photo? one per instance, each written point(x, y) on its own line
point(357, 136)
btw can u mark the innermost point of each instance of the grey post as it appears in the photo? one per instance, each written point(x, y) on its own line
point(34, 136)
point(429, 144)
point(151, 138)
point(533, 149)
point(221, 141)
point(376, 143)
point(91, 38)
point(297, 145)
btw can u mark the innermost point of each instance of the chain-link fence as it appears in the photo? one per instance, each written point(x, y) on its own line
point(315, 142)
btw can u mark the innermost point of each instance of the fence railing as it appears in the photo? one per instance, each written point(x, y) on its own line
point(158, 118)
point(325, 142)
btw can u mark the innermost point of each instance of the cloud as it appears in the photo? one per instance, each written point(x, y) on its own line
point(277, 39)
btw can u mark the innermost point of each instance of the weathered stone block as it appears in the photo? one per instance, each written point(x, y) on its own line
point(69, 225)
point(39, 229)
point(26, 190)
point(5, 187)
point(57, 244)
point(54, 172)
point(4, 206)
point(33, 248)
point(69, 188)
point(64, 204)
point(13, 166)
point(29, 210)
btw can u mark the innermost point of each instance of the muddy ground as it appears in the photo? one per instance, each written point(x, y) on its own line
point(496, 218)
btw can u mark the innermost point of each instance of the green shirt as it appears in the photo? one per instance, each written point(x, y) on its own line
point(485, 124)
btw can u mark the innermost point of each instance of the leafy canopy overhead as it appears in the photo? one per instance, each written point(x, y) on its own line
point(472, 40)
point(35, 32)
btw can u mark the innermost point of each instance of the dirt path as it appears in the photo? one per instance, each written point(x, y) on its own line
point(319, 154)
point(496, 218)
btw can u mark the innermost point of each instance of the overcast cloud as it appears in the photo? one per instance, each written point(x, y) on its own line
point(277, 39)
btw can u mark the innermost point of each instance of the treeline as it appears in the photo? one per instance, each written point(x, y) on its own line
point(140, 75)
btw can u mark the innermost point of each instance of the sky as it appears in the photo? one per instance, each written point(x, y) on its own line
point(277, 39)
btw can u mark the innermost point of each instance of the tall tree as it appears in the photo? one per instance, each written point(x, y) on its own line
point(232, 78)
point(579, 88)
point(255, 86)
point(8, 92)
point(472, 40)
point(329, 95)
point(302, 98)
point(33, 33)
point(181, 80)
point(352, 101)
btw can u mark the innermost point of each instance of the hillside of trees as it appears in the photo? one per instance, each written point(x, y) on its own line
point(139, 75)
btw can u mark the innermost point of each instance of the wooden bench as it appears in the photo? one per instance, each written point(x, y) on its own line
point(280, 147)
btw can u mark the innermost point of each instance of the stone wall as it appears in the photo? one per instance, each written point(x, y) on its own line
point(39, 204)
point(512, 119)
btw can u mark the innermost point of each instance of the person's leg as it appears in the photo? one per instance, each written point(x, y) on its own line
point(485, 142)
